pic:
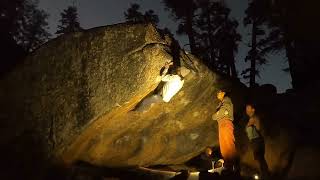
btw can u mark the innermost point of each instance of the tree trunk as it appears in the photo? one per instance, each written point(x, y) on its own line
point(233, 66)
point(190, 32)
point(289, 51)
point(211, 43)
point(253, 55)
point(290, 56)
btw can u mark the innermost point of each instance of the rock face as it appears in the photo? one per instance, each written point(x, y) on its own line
point(72, 99)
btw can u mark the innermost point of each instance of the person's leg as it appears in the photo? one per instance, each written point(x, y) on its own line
point(184, 174)
point(147, 102)
point(156, 98)
point(264, 168)
point(227, 142)
point(259, 151)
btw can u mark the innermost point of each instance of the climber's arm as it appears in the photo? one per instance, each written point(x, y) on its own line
point(166, 67)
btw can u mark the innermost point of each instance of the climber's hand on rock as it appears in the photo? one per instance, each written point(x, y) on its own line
point(168, 64)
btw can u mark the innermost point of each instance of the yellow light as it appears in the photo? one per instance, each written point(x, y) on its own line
point(256, 176)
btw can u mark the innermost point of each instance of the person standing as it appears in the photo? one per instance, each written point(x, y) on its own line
point(253, 130)
point(224, 117)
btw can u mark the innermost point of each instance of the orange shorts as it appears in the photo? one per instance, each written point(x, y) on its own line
point(227, 140)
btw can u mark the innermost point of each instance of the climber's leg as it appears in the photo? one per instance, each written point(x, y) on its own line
point(148, 102)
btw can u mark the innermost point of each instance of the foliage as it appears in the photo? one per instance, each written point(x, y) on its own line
point(23, 22)
point(134, 15)
point(69, 21)
point(217, 37)
point(184, 13)
point(33, 26)
point(212, 33)
point(257, 16)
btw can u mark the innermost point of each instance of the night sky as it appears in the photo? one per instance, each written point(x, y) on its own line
point(93, 13)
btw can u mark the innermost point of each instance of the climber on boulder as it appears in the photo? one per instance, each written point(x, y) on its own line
point(173, 82)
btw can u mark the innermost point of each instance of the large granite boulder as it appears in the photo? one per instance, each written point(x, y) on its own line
point(71, 101)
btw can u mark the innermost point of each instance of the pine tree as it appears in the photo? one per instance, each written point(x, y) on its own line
point(279, 38)
point(184, 13)
point(22, 21)
point(10, 10)
point(34, 27)
point(134, 15)
point(150, 16)
point(69, 21)
point(256, 15)
point(217, 37)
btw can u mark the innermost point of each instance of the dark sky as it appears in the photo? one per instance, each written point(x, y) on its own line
point(94, 13)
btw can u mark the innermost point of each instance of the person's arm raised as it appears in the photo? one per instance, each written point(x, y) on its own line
point(165, 71)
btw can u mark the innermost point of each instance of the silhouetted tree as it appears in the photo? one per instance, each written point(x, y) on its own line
point(256, 15)
point(151, 17)
point(69, 21)
point(33, 26)
point(23, 28)
point(10, 11)
point(133, 14)
point(22, 21)
point(217, 37)
point(292, 28)
point(297, 20)
point(184, 12)
point(229, 38)
point(279, 38)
